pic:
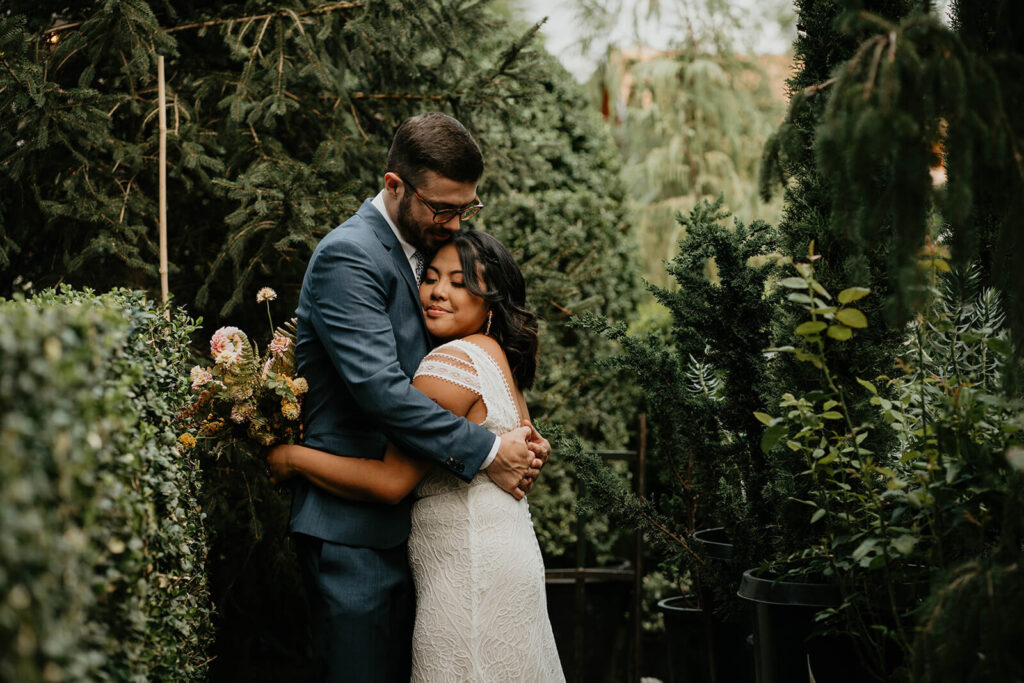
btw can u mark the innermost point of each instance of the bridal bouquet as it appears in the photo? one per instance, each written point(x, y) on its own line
point(246, 398)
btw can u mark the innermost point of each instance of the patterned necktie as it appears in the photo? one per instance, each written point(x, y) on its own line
point(419, 262)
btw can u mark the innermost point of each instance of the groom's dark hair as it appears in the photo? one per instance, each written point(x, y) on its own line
point(434, 142)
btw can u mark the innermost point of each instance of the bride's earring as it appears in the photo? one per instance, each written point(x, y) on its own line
point(490, 317)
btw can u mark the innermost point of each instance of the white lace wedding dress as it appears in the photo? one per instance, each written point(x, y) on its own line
point(481, 611)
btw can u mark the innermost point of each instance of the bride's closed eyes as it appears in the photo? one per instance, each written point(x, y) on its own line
point(430, 277)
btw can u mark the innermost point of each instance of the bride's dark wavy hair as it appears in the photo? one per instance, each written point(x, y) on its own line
point(513, 326)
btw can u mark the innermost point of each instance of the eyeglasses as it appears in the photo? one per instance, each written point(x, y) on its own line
point(442, 216)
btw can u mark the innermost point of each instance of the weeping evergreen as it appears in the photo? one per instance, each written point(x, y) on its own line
point(690, 126)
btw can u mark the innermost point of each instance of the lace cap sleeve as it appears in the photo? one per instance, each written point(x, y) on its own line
point(449, 363)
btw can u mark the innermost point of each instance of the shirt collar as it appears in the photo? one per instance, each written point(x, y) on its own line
point(378, 203)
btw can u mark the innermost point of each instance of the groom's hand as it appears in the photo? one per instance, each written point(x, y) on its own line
point(514, 462)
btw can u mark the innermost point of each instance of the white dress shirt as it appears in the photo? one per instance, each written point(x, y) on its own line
point(410, 251)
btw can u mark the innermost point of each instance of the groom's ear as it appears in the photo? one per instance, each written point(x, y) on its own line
point(391, 183)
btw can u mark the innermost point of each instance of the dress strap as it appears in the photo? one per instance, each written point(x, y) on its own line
point(495, 388)
point(450, 368)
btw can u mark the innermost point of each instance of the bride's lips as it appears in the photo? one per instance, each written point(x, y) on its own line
point(437, 311)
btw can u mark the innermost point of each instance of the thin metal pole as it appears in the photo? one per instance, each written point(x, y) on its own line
point(638, 564)
point(580, 597)
point(162, 116)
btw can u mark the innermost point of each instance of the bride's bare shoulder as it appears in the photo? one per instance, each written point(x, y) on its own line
point(488, 344)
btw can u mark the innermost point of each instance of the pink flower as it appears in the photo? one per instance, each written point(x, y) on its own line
point(279, 345)
point(226, 345)
point(200, 376)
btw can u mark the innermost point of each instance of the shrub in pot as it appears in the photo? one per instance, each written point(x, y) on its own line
point(702, 377)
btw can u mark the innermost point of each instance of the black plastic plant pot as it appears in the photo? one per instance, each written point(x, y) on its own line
point(787, 647)
point(686, 637)
point(729, 626)
point(714, 544)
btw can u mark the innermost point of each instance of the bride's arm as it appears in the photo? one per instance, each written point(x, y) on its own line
point(365, 479)
point(385, 481)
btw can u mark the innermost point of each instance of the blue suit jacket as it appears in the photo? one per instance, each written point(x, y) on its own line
point(361, 336)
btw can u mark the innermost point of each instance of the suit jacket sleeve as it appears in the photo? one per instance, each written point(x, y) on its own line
point(350, 318)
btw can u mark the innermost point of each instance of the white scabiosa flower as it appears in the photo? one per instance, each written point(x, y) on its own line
point(265, 294)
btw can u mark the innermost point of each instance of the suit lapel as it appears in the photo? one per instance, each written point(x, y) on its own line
point(401, 264)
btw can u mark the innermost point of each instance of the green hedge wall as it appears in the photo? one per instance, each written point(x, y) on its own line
point(102, 546)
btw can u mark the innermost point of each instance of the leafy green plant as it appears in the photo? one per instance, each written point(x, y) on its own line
point(102, 543)
point(880, 521)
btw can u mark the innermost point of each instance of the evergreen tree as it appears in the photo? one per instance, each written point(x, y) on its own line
point(280, 115)
point(989, 224)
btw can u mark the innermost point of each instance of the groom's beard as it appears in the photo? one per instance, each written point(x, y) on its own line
point(410, 231)
point(427, 237)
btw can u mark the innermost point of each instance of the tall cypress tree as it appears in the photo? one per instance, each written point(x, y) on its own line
point(823, 46)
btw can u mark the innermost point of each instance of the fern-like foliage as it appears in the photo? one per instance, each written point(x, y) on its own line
point(702, 378)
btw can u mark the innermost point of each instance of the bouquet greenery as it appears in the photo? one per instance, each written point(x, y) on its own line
point(246, 398)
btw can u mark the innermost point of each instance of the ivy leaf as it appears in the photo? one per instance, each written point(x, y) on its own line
point(839, 332)
point(852, 317)
point(810, 358)
point(904, 544)
point(810, 327)
point(998, 345)
point(1015, 456)
point(863, 549)
point(820, 290)
point(852, 294)
point(867, 385)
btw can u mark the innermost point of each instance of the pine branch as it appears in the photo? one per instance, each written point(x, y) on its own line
point(11, 72)
point(222, 22)
point(397, 96)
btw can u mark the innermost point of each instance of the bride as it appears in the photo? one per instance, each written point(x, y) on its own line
point(481, 612)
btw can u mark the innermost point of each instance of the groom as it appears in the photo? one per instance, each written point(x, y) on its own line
point(361, 336)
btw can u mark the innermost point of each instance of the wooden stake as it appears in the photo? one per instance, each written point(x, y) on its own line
point(162, 115)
